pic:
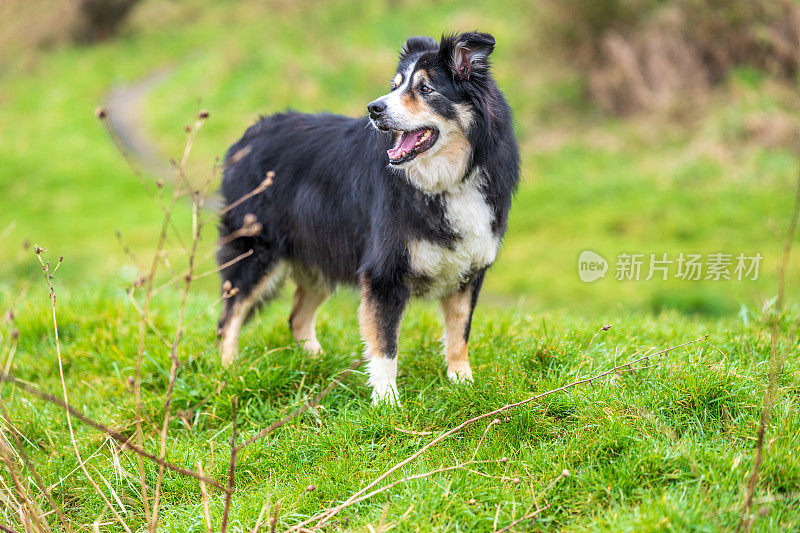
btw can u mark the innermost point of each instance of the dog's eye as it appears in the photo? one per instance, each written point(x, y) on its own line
point(424, 89)
point(392, 86)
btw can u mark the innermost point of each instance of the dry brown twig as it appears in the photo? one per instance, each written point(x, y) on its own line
point(204, 496)
point(147, 283)
point(28, 510)
point(6, 529)
point(776, 361)
point(323, 517)
point(266, 182)
point(526, 517)
point(29, 465)
point(48, 276)
point(121, 439)
point(197, 204)
point(231, 468)
point(605, 327)
point(274, 522)
point(261, 514)
point(564, 473)
point(103, 115)
point(459, 466)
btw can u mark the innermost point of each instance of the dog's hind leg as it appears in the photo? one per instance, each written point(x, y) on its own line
point(311, 292)
point(457, 309)
point(253, 283)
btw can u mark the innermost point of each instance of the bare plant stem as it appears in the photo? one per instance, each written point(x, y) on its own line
point(606, 327)
point(526, 517)
point(261, 514)
point(32, 470)
point(143, 324)
point(197, 202)
point(29, 511)
point(204, 494)
point(321, 518)
point(258, 190)
point(121, 439)
point(776, 360)
point(274, 522)
point(48, 278)
point(231, 469)
point(459, 466)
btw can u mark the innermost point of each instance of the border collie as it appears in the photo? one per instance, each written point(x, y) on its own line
point(411, 201)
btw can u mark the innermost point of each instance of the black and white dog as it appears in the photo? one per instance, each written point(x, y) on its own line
point(412, 201)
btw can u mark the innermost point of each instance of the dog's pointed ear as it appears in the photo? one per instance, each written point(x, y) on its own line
point(469, 52)
point(422, 43)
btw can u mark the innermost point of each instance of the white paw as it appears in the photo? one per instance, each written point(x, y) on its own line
point(312, 346)
point(227, 351)
point(383, 380)
point(388, 396)
point(459, 372)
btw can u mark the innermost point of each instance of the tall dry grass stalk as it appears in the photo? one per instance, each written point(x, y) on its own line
point(777, 358)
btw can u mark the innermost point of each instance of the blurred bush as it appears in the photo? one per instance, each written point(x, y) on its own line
point(646, 54)
point(33, 24)
point(100, 19)
point(27, 26)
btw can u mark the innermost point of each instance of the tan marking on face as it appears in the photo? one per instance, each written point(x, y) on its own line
point(415, 106)
point(443, 167)
point(398, 79)
point(421, 76)
point(457, 149)
point(465, 116)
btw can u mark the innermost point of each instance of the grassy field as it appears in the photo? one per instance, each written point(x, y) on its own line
point(667, 447)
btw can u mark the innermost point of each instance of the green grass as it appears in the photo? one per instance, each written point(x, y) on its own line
point(667, 447)
point(664, 448)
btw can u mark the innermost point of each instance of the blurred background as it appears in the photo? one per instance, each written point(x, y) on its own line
point(646, 126)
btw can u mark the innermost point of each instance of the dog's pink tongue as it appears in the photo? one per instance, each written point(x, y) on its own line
point(405, 143)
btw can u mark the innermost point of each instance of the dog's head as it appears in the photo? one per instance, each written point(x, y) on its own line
point(432, 106)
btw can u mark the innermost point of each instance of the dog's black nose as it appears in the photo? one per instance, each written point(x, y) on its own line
point(376, 108)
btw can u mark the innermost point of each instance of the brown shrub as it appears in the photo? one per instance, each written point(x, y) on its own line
point(100, 19)
point(34, 24)
point(646, 54)
point(28, 26)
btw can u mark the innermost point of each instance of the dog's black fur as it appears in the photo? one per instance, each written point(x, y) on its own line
point(339, 212)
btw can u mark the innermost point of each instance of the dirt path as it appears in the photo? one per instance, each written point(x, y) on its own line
point(126, 103)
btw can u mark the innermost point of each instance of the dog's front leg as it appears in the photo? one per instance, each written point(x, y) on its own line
point(457, 309)
point(379, 314)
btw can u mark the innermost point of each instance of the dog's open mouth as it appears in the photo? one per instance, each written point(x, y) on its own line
point(409, 144)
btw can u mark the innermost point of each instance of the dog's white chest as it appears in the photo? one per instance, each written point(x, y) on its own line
point(470, 217)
